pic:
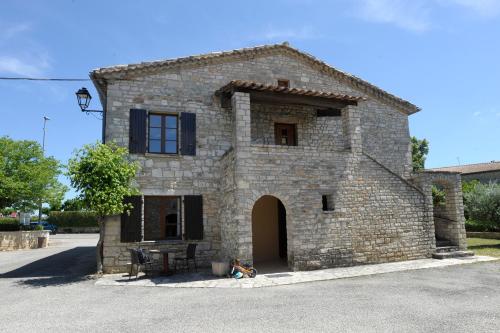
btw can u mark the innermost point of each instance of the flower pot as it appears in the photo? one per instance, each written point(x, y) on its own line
point(42, 242)
point(220, 268)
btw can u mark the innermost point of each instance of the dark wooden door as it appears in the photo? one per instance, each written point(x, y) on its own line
point(282, 230)
point(285, 134)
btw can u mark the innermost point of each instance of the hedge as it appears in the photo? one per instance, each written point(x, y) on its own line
point(70, 219)
point(8, 224)
point(8, 220)
point(481, 226)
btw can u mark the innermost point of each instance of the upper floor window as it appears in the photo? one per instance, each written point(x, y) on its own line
point(284, 83)
point(163, 133)
point(285, 134)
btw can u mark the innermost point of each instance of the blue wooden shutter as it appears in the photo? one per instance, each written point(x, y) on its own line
point(193, 214)
point(131, 224)
point(137, 131)
point(188, 133)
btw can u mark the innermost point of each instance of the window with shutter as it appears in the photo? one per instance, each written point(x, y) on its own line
point(163, 133)
point(193, 215)
point(162, 218)
point(131, 223)
point(188, 133)
point(137, 131)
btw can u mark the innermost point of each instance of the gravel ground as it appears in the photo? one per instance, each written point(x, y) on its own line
point(47, 290)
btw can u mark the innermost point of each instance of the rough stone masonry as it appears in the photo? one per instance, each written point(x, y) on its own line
point(359, 159)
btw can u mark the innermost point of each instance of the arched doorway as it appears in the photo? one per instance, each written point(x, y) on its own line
point(269, 237)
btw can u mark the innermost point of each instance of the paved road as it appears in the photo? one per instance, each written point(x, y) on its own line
point(45, 290)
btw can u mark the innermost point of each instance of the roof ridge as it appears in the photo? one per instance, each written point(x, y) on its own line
point(463, 165)
point(351, 79)
point(192, 56)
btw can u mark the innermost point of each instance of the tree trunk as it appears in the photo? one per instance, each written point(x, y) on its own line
point(100, 243)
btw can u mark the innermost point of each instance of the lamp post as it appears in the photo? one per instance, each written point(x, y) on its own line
point(45, 118)
point(83, 96)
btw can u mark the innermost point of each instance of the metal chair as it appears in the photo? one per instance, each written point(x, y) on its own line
point(135, 260)
point(190, 255)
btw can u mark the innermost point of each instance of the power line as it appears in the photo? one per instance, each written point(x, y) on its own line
point(41, 79)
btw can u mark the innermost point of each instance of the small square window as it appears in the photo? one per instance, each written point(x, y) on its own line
point(284, 83)
point(327, 202)
point(328, 113)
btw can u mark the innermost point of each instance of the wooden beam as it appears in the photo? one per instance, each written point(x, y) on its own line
point(277, 98)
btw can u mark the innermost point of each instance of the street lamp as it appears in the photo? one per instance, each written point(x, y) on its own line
point(83, 97)
point(45, 118)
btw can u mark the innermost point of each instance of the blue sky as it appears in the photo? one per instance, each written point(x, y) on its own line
point(442, 55)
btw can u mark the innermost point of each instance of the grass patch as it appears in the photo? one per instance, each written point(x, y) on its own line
point(484, 247)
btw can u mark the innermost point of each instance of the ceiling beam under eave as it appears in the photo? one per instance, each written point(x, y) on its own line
point(280, 99)
point(271, 98)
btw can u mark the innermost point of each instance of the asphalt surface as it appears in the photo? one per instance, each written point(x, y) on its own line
point(47, 290)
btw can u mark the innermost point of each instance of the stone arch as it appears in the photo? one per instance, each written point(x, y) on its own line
point(448, 214)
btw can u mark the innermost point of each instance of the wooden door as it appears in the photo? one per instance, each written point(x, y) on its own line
point(285, 134)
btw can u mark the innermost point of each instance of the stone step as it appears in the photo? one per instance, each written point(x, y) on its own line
point(442, 249)
point(455, 254)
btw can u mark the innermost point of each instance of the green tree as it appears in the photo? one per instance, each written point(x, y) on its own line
point(468, 187)
point(103, 176)
point(419, 151)
point(438, 195)
point(482, 204)
point(73, 205)
point(26, 175)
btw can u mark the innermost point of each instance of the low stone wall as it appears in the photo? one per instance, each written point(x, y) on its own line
point(17, 240)
point(487, 235)
point(78, 230)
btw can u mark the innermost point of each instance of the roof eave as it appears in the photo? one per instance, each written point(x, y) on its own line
point(118, 71)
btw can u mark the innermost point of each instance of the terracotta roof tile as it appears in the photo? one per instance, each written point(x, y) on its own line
point(250, 85)
point(100, 75)
point(471, 168)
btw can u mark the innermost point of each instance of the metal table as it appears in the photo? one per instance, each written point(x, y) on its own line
point(164, 253)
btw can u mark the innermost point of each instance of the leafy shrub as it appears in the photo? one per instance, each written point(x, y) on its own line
point(38, 227)
point(480, 226)
point(7, 220)
point(438, 196)
point(70, 219)
point(482, 205)
point(468, 187)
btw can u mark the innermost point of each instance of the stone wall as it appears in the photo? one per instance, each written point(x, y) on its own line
point(322, 132)
point(17, 240)
point(483, 177)
point(449, 220)
point(116, 254)
point(78, 230)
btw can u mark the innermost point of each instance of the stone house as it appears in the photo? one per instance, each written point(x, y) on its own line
point(269, 154)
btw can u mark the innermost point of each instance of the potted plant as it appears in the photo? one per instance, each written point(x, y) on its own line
point(220, 267)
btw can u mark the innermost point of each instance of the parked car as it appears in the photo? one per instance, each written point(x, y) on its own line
point(46, 226)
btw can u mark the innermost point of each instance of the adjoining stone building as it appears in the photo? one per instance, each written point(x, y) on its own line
point(268, 153)
point(483, 172)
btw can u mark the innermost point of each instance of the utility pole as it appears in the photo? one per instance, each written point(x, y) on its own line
point(45, 118)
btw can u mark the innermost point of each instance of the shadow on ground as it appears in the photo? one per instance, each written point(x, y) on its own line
point(62, 268)
point(180, 277)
